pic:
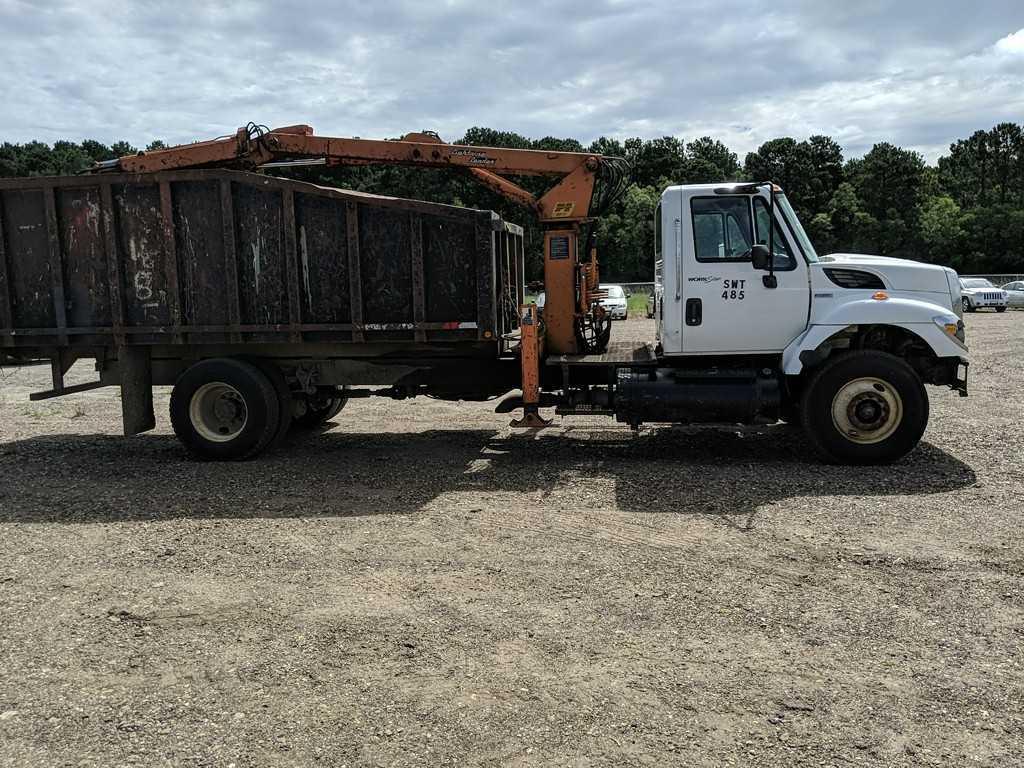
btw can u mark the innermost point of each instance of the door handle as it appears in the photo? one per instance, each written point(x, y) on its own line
point(694, 312)
point(677, 231)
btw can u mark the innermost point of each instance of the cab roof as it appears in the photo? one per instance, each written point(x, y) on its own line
point(724, 187)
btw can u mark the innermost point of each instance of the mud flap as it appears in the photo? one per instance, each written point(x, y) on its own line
point(136, 390)
point(960, 381)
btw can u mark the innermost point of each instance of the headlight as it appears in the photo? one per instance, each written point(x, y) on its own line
point(953, 326)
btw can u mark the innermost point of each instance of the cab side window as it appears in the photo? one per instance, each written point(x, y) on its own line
point(722, 229)
point(783, 253)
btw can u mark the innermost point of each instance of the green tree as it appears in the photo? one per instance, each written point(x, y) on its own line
point(888, 181)
point(986, 168)
point(68, 159)
point(123, 149)
point(607, 147)
point(851, 228)
point(809, 171)
point(96, 151)
point(942, 230)
point(626, 238)
point(707, 161)
point(656, 162)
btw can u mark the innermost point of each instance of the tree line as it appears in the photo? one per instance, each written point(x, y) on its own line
point(966, 211)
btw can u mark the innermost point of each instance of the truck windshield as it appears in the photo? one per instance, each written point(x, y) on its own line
point(798, 230)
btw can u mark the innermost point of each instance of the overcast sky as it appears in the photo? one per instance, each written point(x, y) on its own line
point(919, 73)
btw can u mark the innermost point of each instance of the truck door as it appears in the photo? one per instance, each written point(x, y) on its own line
point(727, 308)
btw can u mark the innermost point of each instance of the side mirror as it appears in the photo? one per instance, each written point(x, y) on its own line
point(760, 257)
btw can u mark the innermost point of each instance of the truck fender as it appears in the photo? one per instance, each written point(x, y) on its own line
point(913, 315)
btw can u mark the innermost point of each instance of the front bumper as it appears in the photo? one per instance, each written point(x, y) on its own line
point(986, 303)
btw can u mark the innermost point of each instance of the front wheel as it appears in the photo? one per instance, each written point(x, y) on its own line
point(966, 304)
point(1000, 309)
point(865, 407)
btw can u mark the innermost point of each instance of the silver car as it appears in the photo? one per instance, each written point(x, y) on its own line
point(1015, 294)
point(616, 302)
point(978, 293)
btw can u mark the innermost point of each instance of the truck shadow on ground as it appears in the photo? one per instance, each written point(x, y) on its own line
point(729, 474)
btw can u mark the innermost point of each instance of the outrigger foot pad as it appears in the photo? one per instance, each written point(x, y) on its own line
point(531, 420)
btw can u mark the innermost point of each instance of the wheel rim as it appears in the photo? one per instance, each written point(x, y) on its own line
point(966, 303)
point(867, 410)
point(217, 412)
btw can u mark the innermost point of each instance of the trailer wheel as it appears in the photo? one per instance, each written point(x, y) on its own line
point(225, 409)
point(865, 407)
point(319, 410)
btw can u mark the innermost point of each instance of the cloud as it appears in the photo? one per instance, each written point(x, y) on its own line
point(1012, 45)
point(734, 69)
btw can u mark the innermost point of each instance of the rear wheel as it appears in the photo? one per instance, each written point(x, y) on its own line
point(865, 407)
point(1000, 309)
point(284, 397)
point(225, 409)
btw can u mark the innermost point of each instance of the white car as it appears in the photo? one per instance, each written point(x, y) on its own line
point(615, 303)
point(1015, 294)
point(978, 293)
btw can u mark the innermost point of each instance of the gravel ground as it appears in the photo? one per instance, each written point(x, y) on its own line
point(418, 586)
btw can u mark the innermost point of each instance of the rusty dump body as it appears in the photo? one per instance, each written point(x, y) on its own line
point(168, 268)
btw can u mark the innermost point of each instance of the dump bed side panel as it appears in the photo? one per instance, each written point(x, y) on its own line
point(140, 242)
point(385, 264)
point(199, 257)
point(86, 287)
point(323, 259)
point(450, 289)
point(198, 230)
point(29, 272)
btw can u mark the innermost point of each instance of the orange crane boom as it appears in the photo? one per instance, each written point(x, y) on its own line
point(569, 200)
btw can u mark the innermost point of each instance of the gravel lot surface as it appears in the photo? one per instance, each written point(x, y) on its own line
point(418, 586)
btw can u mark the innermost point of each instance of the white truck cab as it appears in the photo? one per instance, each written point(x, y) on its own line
point(853, 338)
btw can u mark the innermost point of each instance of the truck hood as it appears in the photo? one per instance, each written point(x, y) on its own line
point(898, 274)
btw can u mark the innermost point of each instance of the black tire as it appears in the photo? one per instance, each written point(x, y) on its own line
point(968, 307)
point(319, 411)
point(1000, 309)
point(235, 399)
point(284, 397)
point(882, 392)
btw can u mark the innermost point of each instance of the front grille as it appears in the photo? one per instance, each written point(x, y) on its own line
point(991, 296)
point(854, 278)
